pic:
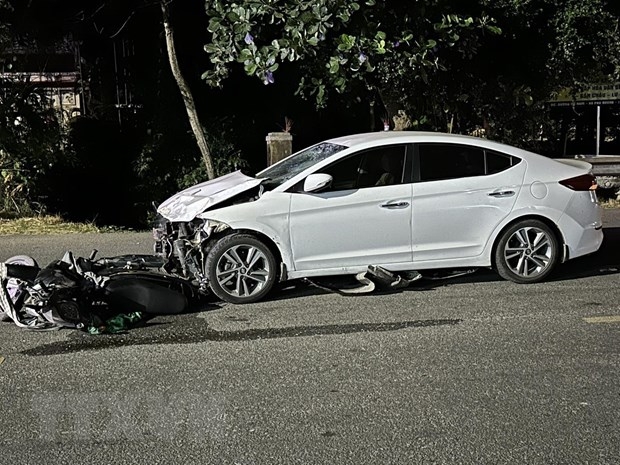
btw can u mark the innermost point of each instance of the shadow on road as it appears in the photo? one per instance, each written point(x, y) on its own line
point(199, 333)
point(187, 328)
point(605, 261)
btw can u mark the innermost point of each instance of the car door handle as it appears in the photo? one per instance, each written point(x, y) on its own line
point(395, 205)
point(501, 194)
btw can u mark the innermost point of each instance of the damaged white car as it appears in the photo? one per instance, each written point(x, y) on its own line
point(398, 200)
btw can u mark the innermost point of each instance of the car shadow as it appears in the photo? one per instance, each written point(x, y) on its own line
point(161, 329)
point(603, 262)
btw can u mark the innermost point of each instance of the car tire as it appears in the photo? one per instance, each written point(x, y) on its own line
point(241, 268)
point(527, 252)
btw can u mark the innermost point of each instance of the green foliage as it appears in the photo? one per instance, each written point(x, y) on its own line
point(435, 64)
point(588, 43)
point(226, 159)
point(261, 34)
point(5, 10)
point(448, 64)
point(340, 46)
point(5, 33)
point(31, 142)
point(546, 46)
point(575, 41)
point(160, 173)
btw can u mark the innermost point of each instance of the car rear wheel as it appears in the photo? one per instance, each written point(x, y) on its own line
point(527, 252)
point(241, 269)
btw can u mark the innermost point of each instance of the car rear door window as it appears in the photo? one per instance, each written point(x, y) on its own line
point(498, 162)
point(449, 161)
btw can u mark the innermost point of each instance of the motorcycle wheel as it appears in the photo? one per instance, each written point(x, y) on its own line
point(21, 260)
point(12, 284)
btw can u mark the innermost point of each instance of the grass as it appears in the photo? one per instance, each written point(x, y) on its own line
point(608, 198)
point(610, 203)
point(48, 225)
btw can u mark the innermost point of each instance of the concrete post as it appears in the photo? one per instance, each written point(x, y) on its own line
point(279, 146)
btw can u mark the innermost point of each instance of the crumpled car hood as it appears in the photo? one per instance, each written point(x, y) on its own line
point(185, 205)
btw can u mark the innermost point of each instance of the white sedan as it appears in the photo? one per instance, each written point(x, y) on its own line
point(403, 201)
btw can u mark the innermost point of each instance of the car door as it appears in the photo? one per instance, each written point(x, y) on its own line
point(460, 195)
point(363, 218)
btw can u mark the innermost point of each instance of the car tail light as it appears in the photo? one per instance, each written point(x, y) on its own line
point(585, 182)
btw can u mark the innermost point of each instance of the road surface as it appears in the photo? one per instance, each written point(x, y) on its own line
point(472, 370)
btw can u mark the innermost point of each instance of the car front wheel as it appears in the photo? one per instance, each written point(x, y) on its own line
point(527, 252)
point(241, 269)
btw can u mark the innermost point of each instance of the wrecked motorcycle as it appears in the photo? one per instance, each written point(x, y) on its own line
point(85, 293)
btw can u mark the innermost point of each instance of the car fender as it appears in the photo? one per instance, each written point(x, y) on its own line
point(281, 241)
point(267, 216)
point(546, 213)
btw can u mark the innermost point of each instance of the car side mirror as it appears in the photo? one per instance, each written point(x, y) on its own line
point(316, 182)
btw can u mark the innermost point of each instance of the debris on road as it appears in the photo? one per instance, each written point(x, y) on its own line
point(377, 278)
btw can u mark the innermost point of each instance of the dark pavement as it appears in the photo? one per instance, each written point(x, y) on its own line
point(473, 370)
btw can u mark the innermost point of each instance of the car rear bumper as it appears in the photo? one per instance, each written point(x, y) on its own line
point(582, 225)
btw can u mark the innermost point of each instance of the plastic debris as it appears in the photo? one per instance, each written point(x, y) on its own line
point(374, 278)
point(117, 324)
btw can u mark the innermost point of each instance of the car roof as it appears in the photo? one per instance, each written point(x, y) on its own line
point(370, 138)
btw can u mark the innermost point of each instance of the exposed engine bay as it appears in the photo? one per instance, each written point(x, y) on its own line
point(184, 245)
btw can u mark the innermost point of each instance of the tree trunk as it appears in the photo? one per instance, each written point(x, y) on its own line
point(186, 93)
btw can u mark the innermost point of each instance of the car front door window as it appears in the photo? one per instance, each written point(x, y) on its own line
point(374, 167)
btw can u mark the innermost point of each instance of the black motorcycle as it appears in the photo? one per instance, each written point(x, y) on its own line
point(86, 293)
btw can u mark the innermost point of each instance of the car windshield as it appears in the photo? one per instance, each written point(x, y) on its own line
point(296, 163)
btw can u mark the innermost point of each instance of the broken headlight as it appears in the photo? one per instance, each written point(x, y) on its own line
point(212, 226)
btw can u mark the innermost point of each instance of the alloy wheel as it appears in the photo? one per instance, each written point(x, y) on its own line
point(243, 270)
point(529, 252)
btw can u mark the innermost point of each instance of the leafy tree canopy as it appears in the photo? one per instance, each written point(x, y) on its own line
point(341, 45)
point(446, 62)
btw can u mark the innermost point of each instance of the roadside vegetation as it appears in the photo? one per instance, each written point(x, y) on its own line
point(610, 203)
point(178, 92)
point(49, 224)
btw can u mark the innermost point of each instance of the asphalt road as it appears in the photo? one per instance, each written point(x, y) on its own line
point(470, 370)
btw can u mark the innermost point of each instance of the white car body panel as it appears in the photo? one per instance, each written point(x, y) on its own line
point(476, 204)
point(267, 215)
point(325, 228)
